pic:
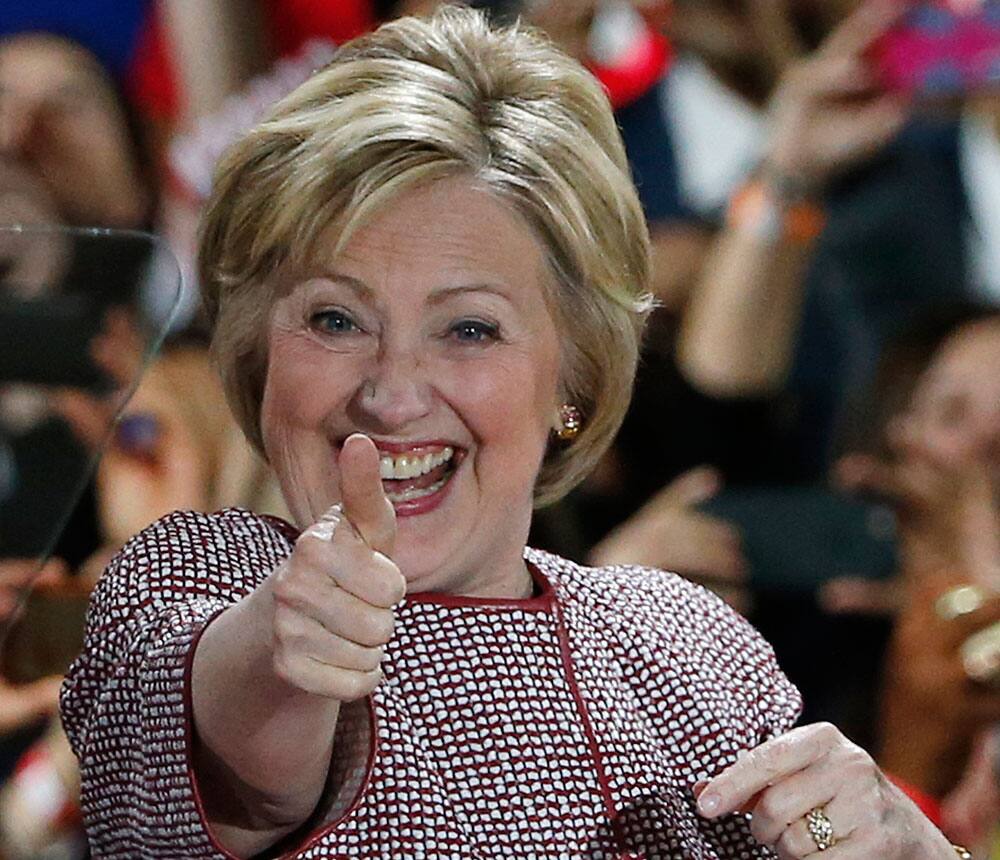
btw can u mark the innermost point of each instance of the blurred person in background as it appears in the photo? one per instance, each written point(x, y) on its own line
point(937, 463)
point(69, 154)
point(73, 153)
point(63, 120)
point(843, 213)
point(261, 646)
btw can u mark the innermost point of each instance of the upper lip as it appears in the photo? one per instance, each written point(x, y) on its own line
point(386, 446)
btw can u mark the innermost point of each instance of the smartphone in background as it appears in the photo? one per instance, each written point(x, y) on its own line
point(941, 49)
point(796, 538)
point(47, 340)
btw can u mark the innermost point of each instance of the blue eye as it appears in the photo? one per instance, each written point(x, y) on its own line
point(474, 331)
point(335, 322)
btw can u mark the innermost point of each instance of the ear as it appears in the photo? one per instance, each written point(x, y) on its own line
point(555, 420)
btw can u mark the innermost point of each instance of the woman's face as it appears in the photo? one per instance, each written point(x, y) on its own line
point(431, 334)
point(957, 403)
point(59, 118)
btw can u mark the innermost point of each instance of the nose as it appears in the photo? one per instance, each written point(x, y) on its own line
point(394, 394)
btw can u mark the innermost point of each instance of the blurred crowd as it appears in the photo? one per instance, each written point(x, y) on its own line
point(815, 432)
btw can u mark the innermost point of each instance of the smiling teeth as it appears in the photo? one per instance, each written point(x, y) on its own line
point(412, 465)
point(411, 494)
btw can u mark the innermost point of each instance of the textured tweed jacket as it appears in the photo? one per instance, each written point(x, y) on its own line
point(570, 724)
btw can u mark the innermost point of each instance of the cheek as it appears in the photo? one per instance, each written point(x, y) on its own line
point(302, 388)
point(509, 406)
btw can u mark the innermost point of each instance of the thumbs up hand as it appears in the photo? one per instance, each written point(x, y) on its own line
point(334, 596)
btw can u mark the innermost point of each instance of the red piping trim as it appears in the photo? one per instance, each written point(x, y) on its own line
point(595, 752)
point(189, 738)
point(537, 602)
point(189, 748)
point(545, 599)
point(362, 789)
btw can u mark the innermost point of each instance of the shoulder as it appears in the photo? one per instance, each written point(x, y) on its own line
point(654, 599)
point(661, 624)
point(190, 554)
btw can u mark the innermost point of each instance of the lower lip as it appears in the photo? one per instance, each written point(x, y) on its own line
point(425, 504)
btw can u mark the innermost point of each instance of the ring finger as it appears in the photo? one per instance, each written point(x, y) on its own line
point(789, 799)
point(798, 841)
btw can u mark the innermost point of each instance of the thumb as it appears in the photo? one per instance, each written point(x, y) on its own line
point(364, 501)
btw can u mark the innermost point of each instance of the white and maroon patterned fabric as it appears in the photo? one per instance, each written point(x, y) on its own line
point(571, 724)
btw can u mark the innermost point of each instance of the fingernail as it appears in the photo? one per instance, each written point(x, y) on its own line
point(699, 787)
point(709, 804)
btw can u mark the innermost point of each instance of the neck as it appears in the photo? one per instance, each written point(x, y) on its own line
point(513, 582)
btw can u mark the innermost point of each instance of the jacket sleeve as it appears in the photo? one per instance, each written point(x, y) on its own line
point(126, 700)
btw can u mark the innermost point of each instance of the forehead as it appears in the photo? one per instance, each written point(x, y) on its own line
point(450, 229)
point(39, 65)
point(969, 359)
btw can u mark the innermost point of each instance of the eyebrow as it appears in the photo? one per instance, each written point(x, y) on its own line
point(437, 296)
point(442, 294)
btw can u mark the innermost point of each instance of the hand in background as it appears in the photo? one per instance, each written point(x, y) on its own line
point(828, 112)
point(670, 533)
point(20, 575)
point(931, 710)
point(23, 704)
point(948, 510)
point(948, 518)
point(970, 812)
point(565, 22)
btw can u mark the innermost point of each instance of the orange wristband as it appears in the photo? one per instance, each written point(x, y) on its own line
point(757, 210)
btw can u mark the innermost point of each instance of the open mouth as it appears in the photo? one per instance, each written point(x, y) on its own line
point(418, 473)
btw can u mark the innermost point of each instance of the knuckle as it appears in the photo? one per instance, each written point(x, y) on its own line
point(769, 808)
point(859, 762)
point(290, 592)
point(794, 843)
point(379, 627)
point(352, 685)
point(760, 830)
point(283, 665)
point(312, 542)
point(285, 627)
point(367, 659)
point(825, 733)
point(390, 583)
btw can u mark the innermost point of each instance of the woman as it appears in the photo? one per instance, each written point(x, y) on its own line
point(427, 277)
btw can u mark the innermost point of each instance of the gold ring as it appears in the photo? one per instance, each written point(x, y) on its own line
point(960, 601)
point(820, 829)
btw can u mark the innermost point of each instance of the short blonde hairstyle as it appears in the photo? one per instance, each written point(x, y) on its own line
point(416, 101)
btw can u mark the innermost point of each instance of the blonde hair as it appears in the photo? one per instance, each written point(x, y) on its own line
point(416, 101)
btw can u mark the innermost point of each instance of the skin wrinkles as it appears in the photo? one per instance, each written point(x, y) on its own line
point(412, 280)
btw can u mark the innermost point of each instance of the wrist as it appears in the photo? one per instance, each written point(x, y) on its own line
point(784, 163)
point(789, 184)
point(775, 211)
